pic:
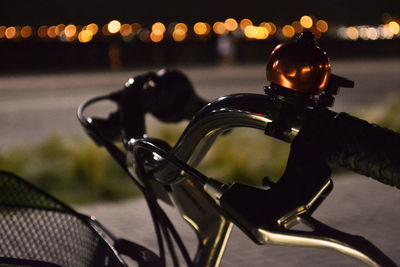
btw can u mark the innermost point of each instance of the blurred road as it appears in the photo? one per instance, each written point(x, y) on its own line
point(33, 107)
point(357, 205)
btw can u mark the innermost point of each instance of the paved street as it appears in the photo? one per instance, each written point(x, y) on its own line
point(357, 205)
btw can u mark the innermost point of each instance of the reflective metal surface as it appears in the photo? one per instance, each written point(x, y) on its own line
point(207, 218)
point(201, 213)
point(240, 110)
point(301, 66)
point(196, 207)
point(323, 236)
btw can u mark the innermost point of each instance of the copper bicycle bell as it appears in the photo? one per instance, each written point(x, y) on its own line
point(301, 65)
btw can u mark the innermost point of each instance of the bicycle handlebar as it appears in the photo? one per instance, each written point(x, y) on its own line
point(335, 138)
point(167, 94)
point(351, 143)
point(359, 146)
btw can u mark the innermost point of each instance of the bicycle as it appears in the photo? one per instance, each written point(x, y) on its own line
point(294, 108)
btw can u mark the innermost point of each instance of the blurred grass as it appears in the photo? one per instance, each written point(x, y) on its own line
point(77, 171)
point(244, 155)
point(73, 171)
point(386, 114)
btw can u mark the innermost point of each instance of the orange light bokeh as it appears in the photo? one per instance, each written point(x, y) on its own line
point(179, 35)
point(125, 30)
point(321, 25)
point(156, 36)
point(231, 24)
point(288, 31)
point(306, 22)
point(85, 36)
point(26, 32)
point(51, 32)
point(11, 32)
point(200, 28)
point(244, 23)
point(297, 27)
point(219, 27)
point(158, 27)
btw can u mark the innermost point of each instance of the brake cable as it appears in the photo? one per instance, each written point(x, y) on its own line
point(158, 215)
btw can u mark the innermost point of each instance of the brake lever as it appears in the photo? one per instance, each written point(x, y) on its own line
point(325, 236)
point(267, 219)
point(266, 215)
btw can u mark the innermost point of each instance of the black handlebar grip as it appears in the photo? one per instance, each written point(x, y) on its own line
point(170, 96)
point(352, 143)
point(167, 94)
point(365, 148)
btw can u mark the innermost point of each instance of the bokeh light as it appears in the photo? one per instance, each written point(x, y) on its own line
point(158, 31)
point(70, 31)
point(272, 28)
point(363, 32)
point(372, 33)
point(181, 27)
point(250, 32)
point(322, 25)
point(244, 23)
point(26, 32)
point(394, 27)
point(3, 31)
point(42, 31)
point(306, 22)
point(125, 30)
point(104, 30)
point(156, 36)
point(231, 24)
point(262, 33)
point(158, 27)
point(316, 32)
point(114, 26)
point(93, 28)
point(85, 36)
point(385, 32)
point(51, 32)
point(136, 27)
point(288, 31)
point(352, 33)
point(200, 28)
point(219, 27)
point(11, 32)
point(59, 29)
point(144, 35)
point(297, 27)
point(179, 35)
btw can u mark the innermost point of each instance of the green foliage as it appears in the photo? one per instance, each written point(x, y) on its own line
point(73, 171)
point(386, 114)
point(244, 155)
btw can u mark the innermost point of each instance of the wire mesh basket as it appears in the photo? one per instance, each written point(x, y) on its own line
point(38, 230)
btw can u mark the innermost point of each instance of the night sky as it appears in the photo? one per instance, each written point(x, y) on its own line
point(37, 12)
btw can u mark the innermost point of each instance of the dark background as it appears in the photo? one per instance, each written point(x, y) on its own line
point(282, 11)
point(35, 55)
